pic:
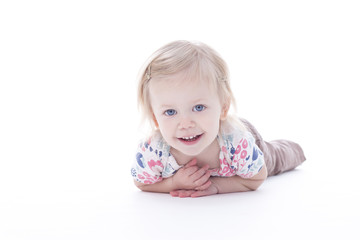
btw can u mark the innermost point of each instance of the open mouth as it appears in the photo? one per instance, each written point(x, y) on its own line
point(190, 139)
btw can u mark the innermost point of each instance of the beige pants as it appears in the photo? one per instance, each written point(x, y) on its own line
point(280, 155)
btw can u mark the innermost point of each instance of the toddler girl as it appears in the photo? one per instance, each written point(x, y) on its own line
point(197, 148)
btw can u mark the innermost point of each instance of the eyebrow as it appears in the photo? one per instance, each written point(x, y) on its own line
point(199, 100)
point(170, 106)
point(165, 106)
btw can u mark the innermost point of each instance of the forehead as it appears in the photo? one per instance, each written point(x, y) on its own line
point(176, 89)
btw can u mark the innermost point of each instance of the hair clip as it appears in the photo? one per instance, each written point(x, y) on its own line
point(148, 73)
point(223, 79)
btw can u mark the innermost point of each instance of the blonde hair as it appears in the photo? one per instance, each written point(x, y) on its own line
point(195, 60)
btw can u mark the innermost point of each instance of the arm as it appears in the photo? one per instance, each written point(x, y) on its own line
point(165, 186)
point(239, 184)
point(188, 177)
point(226, 185)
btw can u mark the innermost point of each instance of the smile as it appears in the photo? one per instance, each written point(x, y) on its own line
point(190, 139)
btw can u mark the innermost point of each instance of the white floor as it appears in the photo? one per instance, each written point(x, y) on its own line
point(299, 204)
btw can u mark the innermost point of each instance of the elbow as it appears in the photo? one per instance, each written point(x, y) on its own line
point(258, 180)
point(139, 185)
point(255, 185)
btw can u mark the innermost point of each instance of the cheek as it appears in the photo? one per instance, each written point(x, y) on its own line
point(211, 121)
point(166, 127)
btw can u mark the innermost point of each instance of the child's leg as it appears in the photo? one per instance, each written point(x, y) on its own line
point(279, 155)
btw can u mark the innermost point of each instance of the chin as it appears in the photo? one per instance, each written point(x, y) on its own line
point(191, 153)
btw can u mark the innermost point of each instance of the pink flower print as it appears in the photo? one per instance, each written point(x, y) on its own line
point(238, 149)
point(151, 179)
point(242, 164)
point(227, 171)
point(224, 150)
point(141, 176)
point(245, 143)
point(153, 163)
point(147, 175)
point(148, 182)
point(214, 171)
point(243, 154)
point(230, 173)
point(157, 179)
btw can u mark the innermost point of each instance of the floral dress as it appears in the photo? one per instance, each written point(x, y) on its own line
point(239, 155)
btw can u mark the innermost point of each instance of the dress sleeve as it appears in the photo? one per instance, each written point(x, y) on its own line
point(148, 166)
point(248, 158)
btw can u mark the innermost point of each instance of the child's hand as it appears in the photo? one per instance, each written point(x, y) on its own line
point(193, 193)
point(191, 177)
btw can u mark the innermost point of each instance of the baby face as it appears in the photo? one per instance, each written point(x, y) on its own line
point(187, 113)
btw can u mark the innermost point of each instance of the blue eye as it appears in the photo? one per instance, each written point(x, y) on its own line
point(170, 112)
point(199, 108)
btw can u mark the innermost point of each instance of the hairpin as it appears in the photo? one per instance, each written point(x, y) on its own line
point(148, 73)
point(223, 79)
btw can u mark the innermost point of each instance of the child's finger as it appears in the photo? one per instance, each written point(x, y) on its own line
point(191, 163)
point(190, 170)
point(206, 192)
point(200, 173)
point(200, 194)
point(206, 185)
point(202, 179)
point(174, 193)
point(185, 193)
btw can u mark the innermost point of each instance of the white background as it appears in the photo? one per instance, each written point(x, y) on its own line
point(69, 122)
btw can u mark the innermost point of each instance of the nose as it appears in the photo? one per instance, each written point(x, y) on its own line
point(186, 122)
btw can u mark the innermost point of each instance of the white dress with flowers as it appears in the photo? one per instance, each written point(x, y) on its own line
point(239, 155)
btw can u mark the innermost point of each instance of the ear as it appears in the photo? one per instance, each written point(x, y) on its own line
point(155, 121)
point(224, 111)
